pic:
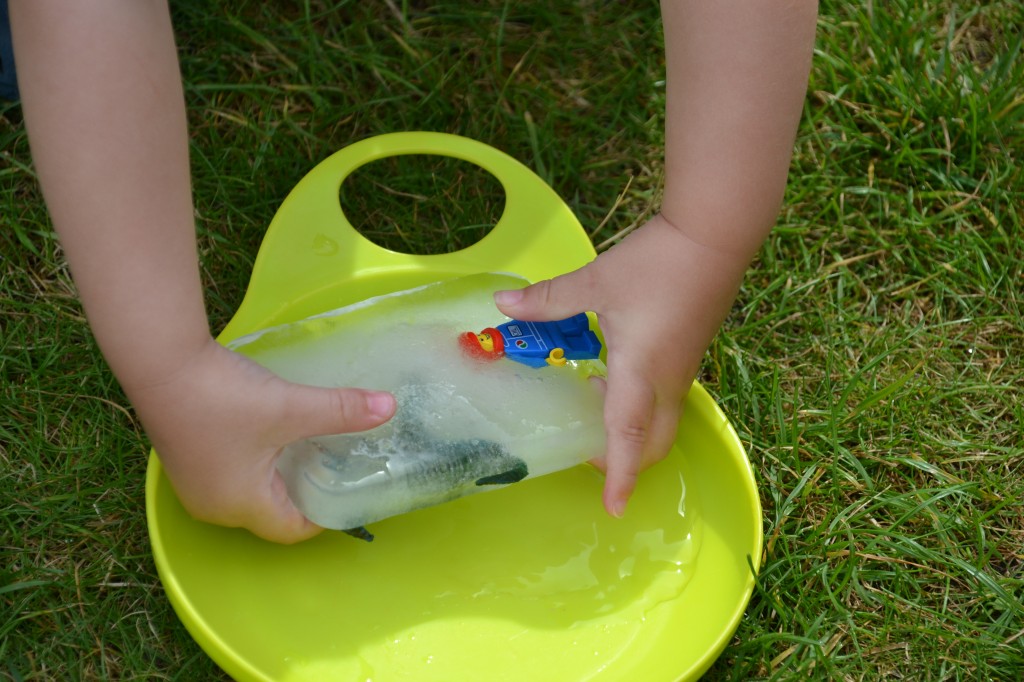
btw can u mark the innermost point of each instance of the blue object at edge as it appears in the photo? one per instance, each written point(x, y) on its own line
point(8, 76)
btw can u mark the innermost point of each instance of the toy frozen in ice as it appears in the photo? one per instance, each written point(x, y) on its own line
point(535, 343)
point(385, 476)
point(462, 426)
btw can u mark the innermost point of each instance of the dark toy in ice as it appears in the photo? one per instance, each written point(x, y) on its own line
point(429, 469)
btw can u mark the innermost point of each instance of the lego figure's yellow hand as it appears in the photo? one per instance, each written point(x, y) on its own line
point(556, 357)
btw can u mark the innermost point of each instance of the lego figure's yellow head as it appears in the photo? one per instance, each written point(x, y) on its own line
point(487, 345)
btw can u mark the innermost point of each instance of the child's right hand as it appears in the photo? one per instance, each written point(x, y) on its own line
point(218, 424)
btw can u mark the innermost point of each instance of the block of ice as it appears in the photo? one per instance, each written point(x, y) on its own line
point(462, 425)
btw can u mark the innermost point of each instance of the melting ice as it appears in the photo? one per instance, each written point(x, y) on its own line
point(462, 425)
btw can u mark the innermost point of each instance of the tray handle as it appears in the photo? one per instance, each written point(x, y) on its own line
point(311, 245)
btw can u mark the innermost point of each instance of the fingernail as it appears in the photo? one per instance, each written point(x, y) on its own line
point(510, 297)
point(381, 404)
point(617, 508)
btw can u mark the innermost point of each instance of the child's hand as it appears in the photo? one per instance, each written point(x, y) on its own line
point(219, 423)
point(660, 298)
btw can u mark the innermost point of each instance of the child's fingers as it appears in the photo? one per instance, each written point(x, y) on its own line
point(628, 410)
point(309, 412)
point(664, 426)
point(552, 299)
point(279, 520)
point(259, 503)
point(641, 425)
point(315, 411)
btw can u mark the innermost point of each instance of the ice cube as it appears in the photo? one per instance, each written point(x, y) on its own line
point(463, 425)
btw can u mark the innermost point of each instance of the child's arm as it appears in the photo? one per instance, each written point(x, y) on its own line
point(103, 104)
point(737, 75)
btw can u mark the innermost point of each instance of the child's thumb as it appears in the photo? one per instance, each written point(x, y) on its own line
point(325, 411)
point(552, 299)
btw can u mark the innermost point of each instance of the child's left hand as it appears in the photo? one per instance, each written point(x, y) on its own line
point(660, 298)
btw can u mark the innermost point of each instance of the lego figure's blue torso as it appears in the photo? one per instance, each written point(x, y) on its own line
point(531, 343)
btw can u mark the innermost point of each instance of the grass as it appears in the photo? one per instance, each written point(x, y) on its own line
point(872, 363)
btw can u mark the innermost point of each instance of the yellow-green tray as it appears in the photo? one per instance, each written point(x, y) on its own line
point(531, 582)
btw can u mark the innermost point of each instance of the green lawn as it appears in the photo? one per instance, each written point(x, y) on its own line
point(872, 364)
